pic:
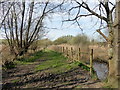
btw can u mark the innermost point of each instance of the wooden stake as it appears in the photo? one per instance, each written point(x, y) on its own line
point(66, 51)
point(62, 49)
point(79, 54)
point(91, 61)
point(72, 53)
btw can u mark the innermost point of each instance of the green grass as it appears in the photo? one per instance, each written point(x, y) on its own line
point(63, 68)
point(78, 86)
point(84, 66)
point(29, 59)
point(55, 62)
point(22, 62)
point(15, 81)
point(110, 87)
point(94, 76)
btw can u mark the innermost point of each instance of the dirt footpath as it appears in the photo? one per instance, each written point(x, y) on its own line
point(24, 76)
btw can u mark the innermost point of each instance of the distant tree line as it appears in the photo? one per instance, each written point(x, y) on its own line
point(73, 40)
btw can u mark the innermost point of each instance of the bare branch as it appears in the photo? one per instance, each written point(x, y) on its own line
point(39, 22)
point(16, 25)
point(113, 9)
point(85, 6)
point(55, 7)
point(102, 35)
point(21, 28)
point(29, 20)
point(6, 14)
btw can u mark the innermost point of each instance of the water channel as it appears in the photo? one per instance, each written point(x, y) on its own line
point(101, 70)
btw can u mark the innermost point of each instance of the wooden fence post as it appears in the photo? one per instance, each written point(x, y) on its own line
point(91, 61)
point(79, 54)
point(60, 49)
point(66, 51)
point(63, 49)
point(71, 53)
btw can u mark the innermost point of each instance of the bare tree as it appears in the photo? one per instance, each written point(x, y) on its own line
point(23, 22)
point(104, 11)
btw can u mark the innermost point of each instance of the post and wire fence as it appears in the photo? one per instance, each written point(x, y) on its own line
point(76, 54)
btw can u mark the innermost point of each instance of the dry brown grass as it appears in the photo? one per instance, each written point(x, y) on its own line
point(5, 54)
point(100, 52)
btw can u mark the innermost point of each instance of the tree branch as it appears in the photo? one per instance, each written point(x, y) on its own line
point(29, 20)
point(6, 14)
point(102, 35)
point(16, 25)
point(39, 21)
point(85, 6)
point(21, 28)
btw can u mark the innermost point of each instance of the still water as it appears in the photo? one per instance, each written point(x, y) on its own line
point(101, 70)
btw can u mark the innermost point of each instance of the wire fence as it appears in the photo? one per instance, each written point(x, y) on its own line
point(76, 54)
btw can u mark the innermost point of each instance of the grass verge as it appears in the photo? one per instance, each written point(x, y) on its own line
point(29, 59)
point(55, 62)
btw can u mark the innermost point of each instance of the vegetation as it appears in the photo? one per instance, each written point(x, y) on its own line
point(80, 39)
point(3, 42)
point(44, 42)
point(9, 65)
point(50, 63)
point(84, 66)
point(63, 40)
point(57, 63)
point(54, 61)
point(103, 10)
point(22, 23)
point(23, 26)
point(73, 40)
point(15, 81)
point(31, 58)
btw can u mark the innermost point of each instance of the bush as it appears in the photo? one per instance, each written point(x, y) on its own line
point(63, 40)
point(9, 65)
point(80, 39)
point(77, 40)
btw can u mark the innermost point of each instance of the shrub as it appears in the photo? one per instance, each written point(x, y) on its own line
point(80, 39)
point(63, 40)
point(9, 65)
point(77, 40)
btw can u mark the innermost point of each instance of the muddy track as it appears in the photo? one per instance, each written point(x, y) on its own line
point(24, 76)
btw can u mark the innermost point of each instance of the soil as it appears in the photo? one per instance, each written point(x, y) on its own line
point(25, 76)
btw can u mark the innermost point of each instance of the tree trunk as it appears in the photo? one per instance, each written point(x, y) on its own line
point(117, 44)
point(114, 63)
point(23, 50)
